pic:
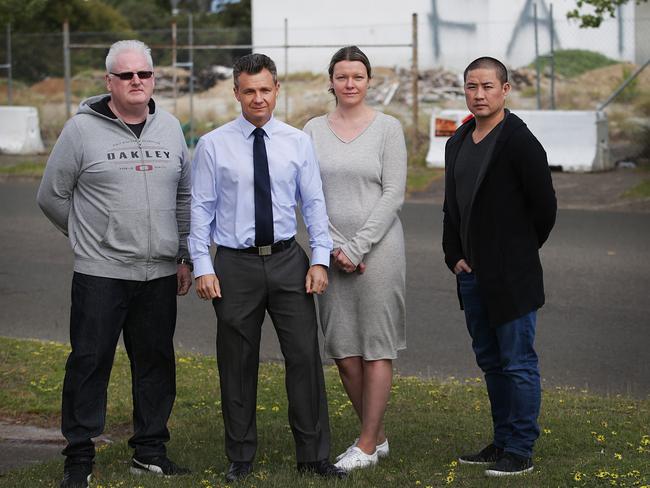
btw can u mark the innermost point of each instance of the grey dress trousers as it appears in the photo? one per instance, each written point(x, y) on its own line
point(251, 285)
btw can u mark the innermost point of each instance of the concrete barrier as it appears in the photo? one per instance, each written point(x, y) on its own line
point(20, 131)
point(574, 140)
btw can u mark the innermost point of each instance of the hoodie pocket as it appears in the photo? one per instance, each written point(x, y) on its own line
point(127, 234)
point(131, 235)
point(164, 235)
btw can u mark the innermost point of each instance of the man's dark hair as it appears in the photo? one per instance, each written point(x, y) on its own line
point(253, 64)
point(487, 62)
point(349, 53)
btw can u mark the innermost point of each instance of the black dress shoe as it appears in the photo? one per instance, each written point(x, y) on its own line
point(238, 470)
point(322, 468)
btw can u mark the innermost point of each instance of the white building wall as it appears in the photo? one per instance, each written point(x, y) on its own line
point(642, 32)
point(337, 23)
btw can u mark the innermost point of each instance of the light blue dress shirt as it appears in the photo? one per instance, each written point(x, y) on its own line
point(223, 202)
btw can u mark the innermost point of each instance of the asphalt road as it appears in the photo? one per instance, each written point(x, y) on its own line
point(593, 333)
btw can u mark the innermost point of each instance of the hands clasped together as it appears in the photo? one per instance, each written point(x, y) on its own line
point(340, 260)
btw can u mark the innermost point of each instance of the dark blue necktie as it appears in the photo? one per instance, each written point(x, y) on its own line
point(263, 205)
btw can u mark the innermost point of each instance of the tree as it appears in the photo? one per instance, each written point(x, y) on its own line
point(600, 8)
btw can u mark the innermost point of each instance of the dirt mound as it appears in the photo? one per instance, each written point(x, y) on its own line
point(614, 74)
point(49, 86)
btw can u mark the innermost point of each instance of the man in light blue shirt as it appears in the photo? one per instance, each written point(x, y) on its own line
point(248, 177)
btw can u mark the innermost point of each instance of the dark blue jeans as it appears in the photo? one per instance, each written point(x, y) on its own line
point(145, 312)
point(507, 357)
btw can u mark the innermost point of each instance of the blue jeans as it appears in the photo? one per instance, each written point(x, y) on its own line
point(508, 360)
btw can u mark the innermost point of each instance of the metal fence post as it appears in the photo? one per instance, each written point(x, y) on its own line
point(414, 76)
point(190, 35)
point(552, 60)
point(66, 67)
point(9, 73)
point(286, 70)
point(174, 60)
point(537, 66)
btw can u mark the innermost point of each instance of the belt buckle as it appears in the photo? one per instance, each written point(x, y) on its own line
point(264, 250)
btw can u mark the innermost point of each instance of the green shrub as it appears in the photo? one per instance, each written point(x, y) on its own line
point(573, 62)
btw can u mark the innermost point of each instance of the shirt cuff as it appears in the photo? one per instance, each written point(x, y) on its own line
point(203, 266)
point(320, 255)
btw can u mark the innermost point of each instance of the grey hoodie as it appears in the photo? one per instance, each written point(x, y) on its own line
point(123, 201)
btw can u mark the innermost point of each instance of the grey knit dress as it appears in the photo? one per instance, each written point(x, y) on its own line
point(364, 182)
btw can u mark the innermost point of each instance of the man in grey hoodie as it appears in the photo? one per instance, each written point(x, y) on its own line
point(117, 184)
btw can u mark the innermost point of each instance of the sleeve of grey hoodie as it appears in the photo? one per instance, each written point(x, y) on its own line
point(60, 176)
point(183, 200)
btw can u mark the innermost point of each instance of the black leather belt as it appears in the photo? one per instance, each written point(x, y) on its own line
point(265, 250)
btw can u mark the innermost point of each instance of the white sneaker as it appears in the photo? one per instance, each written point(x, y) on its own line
point(344, 453)
point(357, 459)
point(382, 449)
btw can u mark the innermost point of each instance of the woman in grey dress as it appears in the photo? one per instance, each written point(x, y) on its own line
point(362, 158)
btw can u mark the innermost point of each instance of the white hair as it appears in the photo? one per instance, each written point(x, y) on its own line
point(128, 45)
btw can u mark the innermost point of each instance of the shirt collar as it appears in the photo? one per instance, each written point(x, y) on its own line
point(247, 128)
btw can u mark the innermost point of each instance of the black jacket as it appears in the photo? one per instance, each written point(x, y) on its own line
point(512, 213)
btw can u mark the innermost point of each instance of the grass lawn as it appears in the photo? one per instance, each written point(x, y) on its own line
point(27, 169)
point(419, 178)
point(642, 190)
point(586, 440)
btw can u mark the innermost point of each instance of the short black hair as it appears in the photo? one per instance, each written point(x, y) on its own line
point(253, 64)
point(486, 62)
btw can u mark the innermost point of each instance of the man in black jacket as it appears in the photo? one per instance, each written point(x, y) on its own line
point(499, 209)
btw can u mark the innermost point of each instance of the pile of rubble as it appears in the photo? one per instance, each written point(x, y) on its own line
point(203, 80)
point(522, 77)
point(434, 85)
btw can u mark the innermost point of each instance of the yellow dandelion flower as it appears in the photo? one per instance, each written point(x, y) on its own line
point(417, 482)
point(453, 464)
point(577, 476)
point(275, 408)
point(600, 438)
point(618, 456)
point(547, 431)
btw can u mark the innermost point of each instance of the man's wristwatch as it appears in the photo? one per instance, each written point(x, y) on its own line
point(186, 262)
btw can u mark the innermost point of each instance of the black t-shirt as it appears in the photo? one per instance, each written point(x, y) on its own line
point(103, 108)
point(468, 164)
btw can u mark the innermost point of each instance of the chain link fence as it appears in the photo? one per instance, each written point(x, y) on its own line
point(435, 44)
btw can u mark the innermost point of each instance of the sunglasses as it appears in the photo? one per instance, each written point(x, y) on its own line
point(128, 75)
